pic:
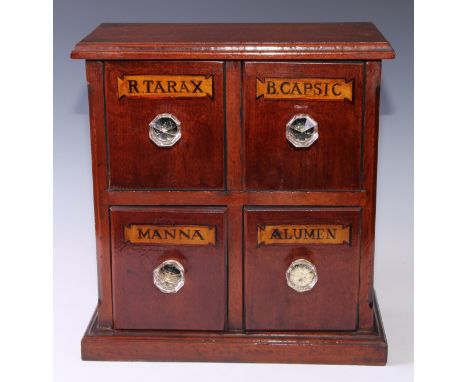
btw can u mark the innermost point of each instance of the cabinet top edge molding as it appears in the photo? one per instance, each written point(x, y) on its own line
point(292, 41)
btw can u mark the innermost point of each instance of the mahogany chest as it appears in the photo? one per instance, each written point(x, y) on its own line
point(234, 170)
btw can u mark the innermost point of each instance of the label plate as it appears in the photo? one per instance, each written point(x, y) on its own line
point(165, 86)
point(304, 234)
point(318, 89)
point(170, 234)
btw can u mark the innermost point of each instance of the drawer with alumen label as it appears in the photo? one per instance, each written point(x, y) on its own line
point(301, 268)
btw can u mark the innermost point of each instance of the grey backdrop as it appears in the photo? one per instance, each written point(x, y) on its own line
point(75, 285)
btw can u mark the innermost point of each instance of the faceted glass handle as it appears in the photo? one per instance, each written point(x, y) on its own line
point(164, 130)
point(302, 130)
point(169, 277)
point(301, 275)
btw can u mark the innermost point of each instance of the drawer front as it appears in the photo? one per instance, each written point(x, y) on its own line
point(184, 103)
point(303, 125)
point(169, 268)
point(301, 269)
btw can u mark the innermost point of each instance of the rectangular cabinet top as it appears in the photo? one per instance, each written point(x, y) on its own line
point(297, 41)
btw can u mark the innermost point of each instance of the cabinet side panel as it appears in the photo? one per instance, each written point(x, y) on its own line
point(95, 78)
point(371, 133)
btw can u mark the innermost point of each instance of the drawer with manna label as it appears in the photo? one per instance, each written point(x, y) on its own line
point(169, 268)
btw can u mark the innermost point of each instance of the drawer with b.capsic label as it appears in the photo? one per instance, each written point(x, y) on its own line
point(303, 125)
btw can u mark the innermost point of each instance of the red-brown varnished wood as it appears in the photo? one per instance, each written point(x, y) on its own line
point(138, 304)
point(304, 41)
point(270, 304)
point(371, 134)
point(233, 169)
point(362, 348)
point(235, 271)
point(196, 161)
point(233, 125)
point(95, 78)
point(319, 198)
point(332, 162)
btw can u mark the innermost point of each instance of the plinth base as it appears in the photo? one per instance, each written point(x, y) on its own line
point(359, 347)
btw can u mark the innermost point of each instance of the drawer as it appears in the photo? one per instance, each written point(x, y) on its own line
point(303, 125)
point(301, 268)
point(169, 268)
point(184, 103)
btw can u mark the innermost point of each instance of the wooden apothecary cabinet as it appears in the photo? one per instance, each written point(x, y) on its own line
point(234, 171)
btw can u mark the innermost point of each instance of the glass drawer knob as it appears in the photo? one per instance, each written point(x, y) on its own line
point(301, 275)
point(164, 130)
point(169, 277)
point(302, 130)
